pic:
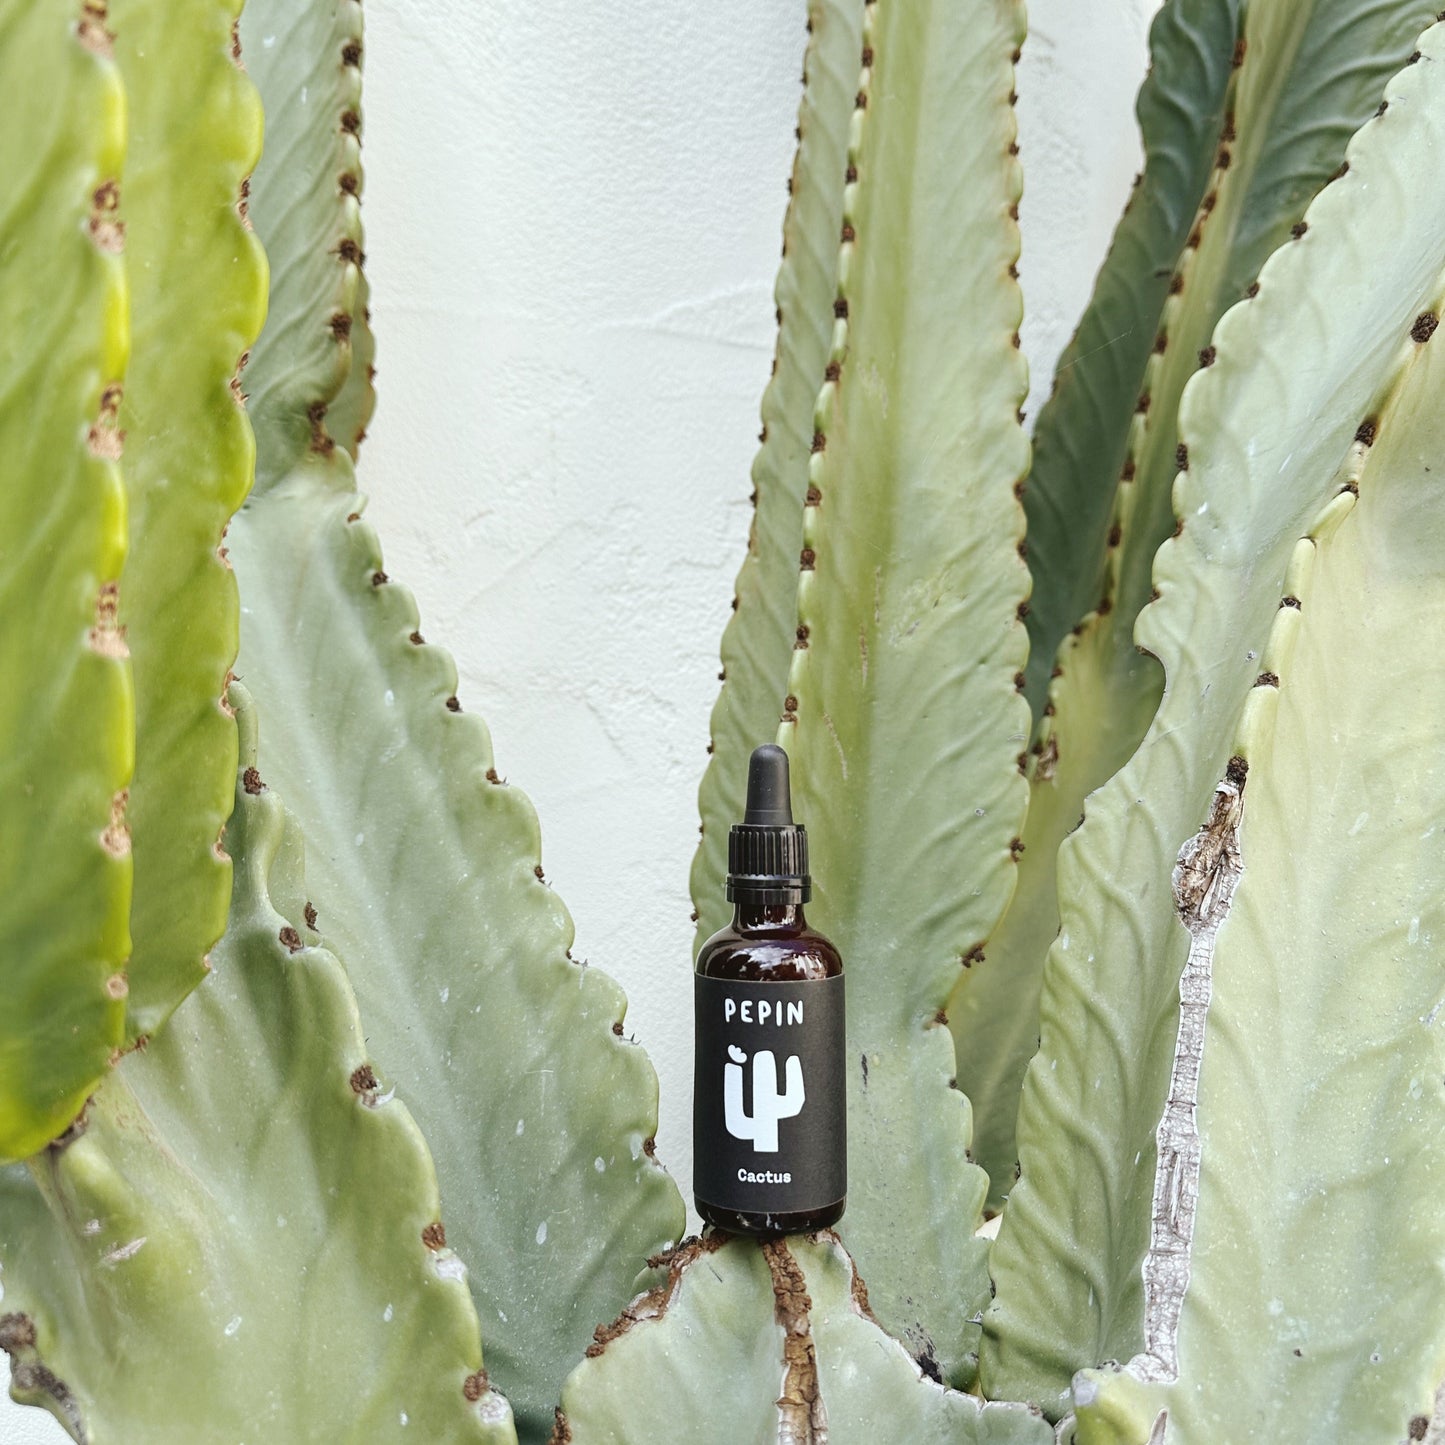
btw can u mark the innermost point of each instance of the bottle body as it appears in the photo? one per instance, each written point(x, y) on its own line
point(770, 1104)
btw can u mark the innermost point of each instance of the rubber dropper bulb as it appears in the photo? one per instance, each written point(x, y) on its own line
point(770, 803)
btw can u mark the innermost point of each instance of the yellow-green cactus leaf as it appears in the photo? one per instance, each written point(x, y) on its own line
point(198, 295)
point(67, 718)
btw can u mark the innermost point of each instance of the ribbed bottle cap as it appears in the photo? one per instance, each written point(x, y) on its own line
point(767, 851)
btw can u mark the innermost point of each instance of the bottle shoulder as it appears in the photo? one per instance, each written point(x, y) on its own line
point(781, 957)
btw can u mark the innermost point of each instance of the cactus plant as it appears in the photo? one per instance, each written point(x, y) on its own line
point(1200, 629)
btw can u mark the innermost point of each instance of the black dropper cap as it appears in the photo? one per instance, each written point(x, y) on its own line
point(767, 851)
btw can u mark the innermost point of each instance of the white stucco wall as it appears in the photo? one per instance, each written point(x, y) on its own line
point(573, 217)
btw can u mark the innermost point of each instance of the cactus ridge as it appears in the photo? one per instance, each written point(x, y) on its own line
point(1263, 155)
point(1269, 445)
point(1084, 428)
point(902, 696)
point(1323, 764)
point(758, 641)
point(508, 1051)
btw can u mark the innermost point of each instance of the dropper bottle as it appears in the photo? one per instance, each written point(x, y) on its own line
point(769, 1096)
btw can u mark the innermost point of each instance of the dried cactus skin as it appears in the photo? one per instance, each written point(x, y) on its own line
point(757, 644)
point(198, 296)
point(540, 1115)
point(903, 719)
point(1307, 77)
point(1271, 443)
point(706, 1350)
point(262, 1098)
point(67, 711)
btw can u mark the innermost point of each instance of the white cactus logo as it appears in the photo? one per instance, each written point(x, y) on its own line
point(761, 1126)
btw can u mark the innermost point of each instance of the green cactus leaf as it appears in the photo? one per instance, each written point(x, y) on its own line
point(757, 644)
point(138, 1308)
point(1310, 76)
point(704, 1351)
point(1270, 441)
point(198, 295)
point(1310, 1174)
point(539, 1113)
point(1082, 433)
point(903, 717)
point(67, 714)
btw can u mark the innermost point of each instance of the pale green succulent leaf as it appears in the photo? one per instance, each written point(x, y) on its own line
point(1315, 1244)
point(539, 1114)
point(67, 713)
point(1081, 441)
point(305, 203)
point(872, 1390)
point(198, 296)
point(238, 1243)
point(1271, 442)
point(1310, 75)
point(757, 644)
point(699, 1360)
point(903, 721)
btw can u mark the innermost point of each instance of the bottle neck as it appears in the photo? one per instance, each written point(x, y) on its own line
point(750, 916)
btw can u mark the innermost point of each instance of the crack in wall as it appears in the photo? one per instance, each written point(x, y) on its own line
point(1204, 878)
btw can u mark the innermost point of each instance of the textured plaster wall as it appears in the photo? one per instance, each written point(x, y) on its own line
point(573, 215)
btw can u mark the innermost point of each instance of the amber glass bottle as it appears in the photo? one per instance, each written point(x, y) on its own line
point(769, 1100)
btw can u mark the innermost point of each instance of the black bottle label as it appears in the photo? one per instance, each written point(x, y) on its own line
point(770, 1130)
